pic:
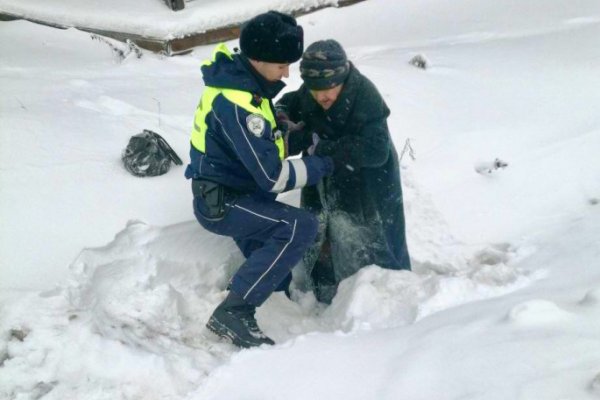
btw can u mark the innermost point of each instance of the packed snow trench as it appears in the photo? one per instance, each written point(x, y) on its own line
point(504, 298)
point(130, 320)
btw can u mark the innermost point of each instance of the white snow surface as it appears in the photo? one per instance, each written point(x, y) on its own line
point(106, 280)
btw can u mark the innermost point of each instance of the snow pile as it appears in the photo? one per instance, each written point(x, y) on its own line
point(538, 343)
point(375, 298)
point(143, 299)
point(162, 284)
point(503, 302)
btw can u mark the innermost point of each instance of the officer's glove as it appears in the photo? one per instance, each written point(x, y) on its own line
point(317, 167)
point(328, 166)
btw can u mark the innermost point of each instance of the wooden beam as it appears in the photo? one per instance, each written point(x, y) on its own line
point(173, 46)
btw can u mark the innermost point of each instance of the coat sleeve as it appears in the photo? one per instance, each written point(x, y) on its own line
point(259, 154)
point(297, 141)
point(369, 147)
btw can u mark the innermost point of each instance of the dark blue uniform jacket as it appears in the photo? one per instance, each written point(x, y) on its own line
point(234, 156)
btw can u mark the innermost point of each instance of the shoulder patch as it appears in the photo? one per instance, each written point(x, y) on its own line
point(255, 124)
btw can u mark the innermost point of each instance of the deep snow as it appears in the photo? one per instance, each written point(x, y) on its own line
point(107, 280)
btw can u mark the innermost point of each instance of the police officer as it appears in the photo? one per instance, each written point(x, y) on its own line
point(237, 169)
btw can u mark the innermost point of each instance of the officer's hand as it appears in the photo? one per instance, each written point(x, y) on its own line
point(328, 166)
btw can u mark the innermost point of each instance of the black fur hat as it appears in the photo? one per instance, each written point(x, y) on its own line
point(272, 37)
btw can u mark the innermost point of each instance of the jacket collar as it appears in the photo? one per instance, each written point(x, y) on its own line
point(234, 71)
point(267, 89)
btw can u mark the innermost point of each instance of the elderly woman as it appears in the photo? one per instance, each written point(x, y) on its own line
point(338, 112)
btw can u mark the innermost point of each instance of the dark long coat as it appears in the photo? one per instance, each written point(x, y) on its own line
point(360, 207)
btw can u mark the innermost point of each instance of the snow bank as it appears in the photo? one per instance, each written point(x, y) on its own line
point(144, 298)
point(503, 302)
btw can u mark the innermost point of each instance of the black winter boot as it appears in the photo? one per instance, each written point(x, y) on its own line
point(234, 321)
point(323, 281)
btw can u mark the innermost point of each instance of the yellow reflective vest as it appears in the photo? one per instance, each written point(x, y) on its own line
point(239, 97)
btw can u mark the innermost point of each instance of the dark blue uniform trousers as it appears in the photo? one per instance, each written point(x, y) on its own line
point(272, 236)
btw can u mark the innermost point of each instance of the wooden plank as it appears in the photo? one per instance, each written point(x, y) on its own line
point(187, 43)
point(179, 45)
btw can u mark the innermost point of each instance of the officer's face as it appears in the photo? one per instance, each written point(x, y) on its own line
point(270, 71)
point(326, 97)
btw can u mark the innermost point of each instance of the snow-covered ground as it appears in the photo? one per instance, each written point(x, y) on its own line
point(107, 280)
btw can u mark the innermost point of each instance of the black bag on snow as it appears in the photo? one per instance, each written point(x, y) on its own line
point(148, 154)
point(175, 5)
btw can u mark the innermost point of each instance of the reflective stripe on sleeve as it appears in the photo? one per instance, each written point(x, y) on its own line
point(284, 176)
point(301, 172)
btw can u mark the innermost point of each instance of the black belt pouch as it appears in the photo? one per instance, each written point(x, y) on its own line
point(213, 195)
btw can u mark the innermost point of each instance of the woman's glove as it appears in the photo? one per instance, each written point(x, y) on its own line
point(313, 147)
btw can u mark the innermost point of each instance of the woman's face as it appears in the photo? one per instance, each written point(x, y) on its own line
point(326, 97)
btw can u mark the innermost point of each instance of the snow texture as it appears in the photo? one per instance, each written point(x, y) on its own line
point(106, 280)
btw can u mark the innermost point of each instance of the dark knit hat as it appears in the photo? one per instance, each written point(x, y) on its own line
point(272, 37)
point(324, 65)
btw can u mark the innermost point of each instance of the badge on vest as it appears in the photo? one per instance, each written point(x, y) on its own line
point(255, 124)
